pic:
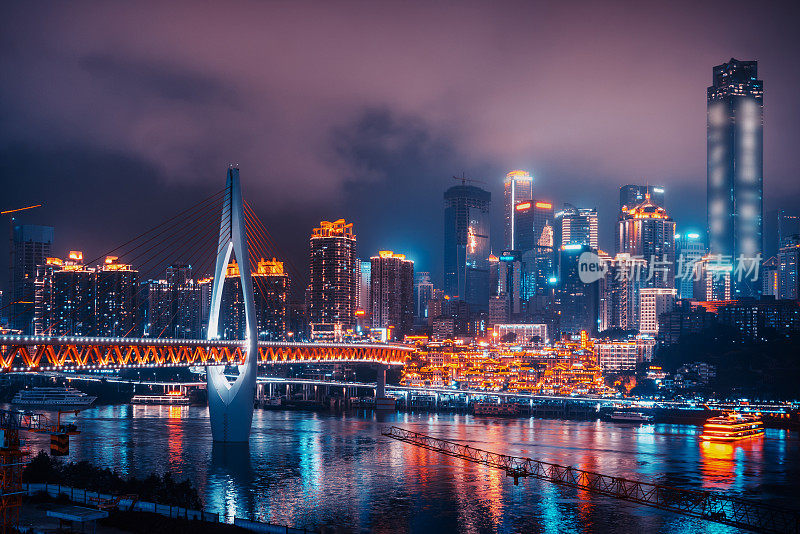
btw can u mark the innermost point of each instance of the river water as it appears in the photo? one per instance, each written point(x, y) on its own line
point(335, 469)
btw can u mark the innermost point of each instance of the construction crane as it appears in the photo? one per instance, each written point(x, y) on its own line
point(707, 505)
point(11, 454)
point(464, 180)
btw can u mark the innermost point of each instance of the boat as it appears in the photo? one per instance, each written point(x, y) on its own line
point(53, 397)
point(172, 398)
point(631, 417)
point(492, 408)
point(732, 426)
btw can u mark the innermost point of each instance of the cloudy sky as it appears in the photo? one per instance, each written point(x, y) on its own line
point(116, 115)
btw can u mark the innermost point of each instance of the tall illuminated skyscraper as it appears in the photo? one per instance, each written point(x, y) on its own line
point(466, 245)
point(735, 133)
point(518, 187)
point(332, 289)
point(648, 232)
point(392, 293)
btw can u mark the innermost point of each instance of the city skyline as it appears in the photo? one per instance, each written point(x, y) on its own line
point(382, 147)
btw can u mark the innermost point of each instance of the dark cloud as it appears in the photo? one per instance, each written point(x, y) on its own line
point(365, 110)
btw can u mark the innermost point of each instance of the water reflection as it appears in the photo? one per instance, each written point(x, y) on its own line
point(315, 470)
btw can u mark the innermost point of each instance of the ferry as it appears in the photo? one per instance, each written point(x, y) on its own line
point(631, 417)
point(732, 426)
point(172, 398)
point(53, 397)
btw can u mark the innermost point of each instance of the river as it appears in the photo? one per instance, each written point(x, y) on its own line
point(335, 469)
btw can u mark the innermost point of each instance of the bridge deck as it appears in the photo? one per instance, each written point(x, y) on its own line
point(31, 353)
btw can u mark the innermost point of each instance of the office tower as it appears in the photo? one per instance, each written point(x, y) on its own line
point(116, 307)
point(653, 302)
point(735, 165)
point(518, 187)
point(788, 226)
point(363, 285)
point(332, 289)
point(770, 277)
point(391, 293)
point(646, 231)
point(633, 195)
point(535, 239)
point(578, 301)
point(689, 249)
point(65, 297)
point(466, 245)
point(510, 285)
point(788, 261)
point(423, 292)
point(620, 290)
point(576, 226)
point(31, 246)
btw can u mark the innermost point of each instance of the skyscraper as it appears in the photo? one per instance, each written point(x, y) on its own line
point(535, 240)
point(270, 295)
point(423, 292)
point(363, 286)
point(333, 278)
point(391, 293)
point(578, 301)
point(788, 267)
point(735, 165)
point(65, 297)
point(689, 249)
point(31, 247)
point(116, 310)
point(648, 232)
point(466, 245)
point(518, 187)
point(576, 226)
point(632, 195)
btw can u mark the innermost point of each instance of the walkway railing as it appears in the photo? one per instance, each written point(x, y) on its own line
point(708, 505)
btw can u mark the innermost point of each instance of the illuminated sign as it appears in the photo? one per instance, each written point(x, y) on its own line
point(523, 206)
point(360, 313)
point(544, 205)
point(571, 247)
point(658, 190)
point(693, 236)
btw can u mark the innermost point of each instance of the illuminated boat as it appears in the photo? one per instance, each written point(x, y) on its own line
point(732, 426)
point(53, 397)
point(631, 417)
point(172, 398)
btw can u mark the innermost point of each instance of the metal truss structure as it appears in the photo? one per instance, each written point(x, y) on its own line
point(708, 505)
point(34, 353)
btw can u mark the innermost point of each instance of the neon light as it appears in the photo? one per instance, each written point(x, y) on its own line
point(572, 247)
point(523, 206)
point(545, 205)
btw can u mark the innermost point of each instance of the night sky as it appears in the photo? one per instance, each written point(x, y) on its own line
point(117, 115)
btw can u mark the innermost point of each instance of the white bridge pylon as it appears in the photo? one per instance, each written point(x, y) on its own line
point(230, 405)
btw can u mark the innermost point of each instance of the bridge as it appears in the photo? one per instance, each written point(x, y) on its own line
point(190, 238)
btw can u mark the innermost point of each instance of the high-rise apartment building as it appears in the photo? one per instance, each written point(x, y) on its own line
point(632, 195)
point(363, 286)
point(646, 231)
point(392, 293)
point(735, 133)
point(620, 290)
point(65, 297)
point(270, 296)
point(788, 263)
point(713, 278)
point(116, 309)
point(653, 302)
point(510, 283)
point(466, 245)
point(518, 187)
point(333, 279)
point(31, 246)
point(173, 306)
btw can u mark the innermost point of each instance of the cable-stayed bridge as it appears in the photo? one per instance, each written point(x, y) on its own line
point(94, 318)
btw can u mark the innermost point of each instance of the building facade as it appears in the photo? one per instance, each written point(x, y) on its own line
point(517, 188)
point(466, 245)
point(333, 279)
point(735, 133)
point(30, 247)
point(654, 301)
point(392, 293)
point(647, 232)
